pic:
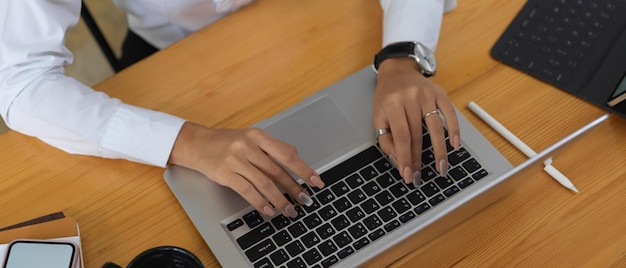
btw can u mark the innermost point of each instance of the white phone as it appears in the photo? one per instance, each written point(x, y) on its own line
point(41, 253)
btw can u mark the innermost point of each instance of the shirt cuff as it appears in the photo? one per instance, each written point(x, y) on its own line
point(413, 20)
point(141, 135)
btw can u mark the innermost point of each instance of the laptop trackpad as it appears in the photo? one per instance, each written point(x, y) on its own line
point(319, 129)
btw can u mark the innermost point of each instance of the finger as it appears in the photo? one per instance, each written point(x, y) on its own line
point(287, 155)
point(451, 121)
point(281, 177)
point(438, 140)
point(414, 116)
point(267, 188)
point(401, 135)
point(246, 190)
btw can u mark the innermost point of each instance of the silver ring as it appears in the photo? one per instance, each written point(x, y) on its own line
point(430, 113)
point(382, 131)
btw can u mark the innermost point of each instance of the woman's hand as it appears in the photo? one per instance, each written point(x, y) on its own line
point(402, 99)
point(250, 162)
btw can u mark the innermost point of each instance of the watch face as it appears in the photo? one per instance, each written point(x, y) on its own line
point(426, 59)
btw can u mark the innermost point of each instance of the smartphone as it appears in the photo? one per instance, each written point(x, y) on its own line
point(619, 95)
point(41, 253)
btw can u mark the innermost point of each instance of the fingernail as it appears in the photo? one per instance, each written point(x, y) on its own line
point(305, 199)
point(393, 161)
point(317, 181)
point(443, 168)
point(456, 142)
point(267, 210)
point(291, 211)
point(417, 179)
point(407, 175)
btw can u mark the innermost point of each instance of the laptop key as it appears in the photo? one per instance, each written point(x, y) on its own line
point(355, 180)
point(253, 219)
point(234, 224)
point(370, 206)
point(392, 225)
point(327, 212)
point(443, 182)
point(312, 256)
point(421, 208)
point(297, 229)
point(263, 263)
point(371, 188)
point(480, 174)
point(279, 257)
point(372, 222)
point(399, 189)
point(256, 235)
point(436, 200)
point(429, 189)
point(280, 221)
point(361, 243)
point(327, 248)
point(451, 191)
point(382, 165)
point(281, 238)
point(376, 234)
point(407, 217)
point(401, 205)
point(387, 213)
point(384, 197)
point(342, 239)
point(342, 254)
point(260, 250)
point(357, 230)
point(325, 197)
point(466, 182)
point(356, 196)
point(340, 188)
point(312, 221)
point(342, 204)
point(355, 214)
point(295, 248)
point(416, 197)
point(385, 180)
point(368, 173)
point(457, 173)
point(350, 166)
point(325, 231)
point(471, 165)
point(457, 157)
point(310, 239)
point(297, 263)
point(329, 262)
point(340, 222)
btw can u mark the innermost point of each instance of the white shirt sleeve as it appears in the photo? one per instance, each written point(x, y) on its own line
point(38, 99)
point(413, 20)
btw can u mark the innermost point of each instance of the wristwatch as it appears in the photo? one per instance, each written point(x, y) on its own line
point(424, 57)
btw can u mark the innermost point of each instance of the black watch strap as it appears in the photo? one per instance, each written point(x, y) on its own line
point(401, 49)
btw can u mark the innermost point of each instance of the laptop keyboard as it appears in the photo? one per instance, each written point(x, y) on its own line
point(363, 200)
point(561, 41)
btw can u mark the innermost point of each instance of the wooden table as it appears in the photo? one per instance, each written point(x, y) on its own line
point(273, 53)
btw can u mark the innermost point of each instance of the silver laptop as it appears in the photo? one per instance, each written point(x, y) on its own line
point(365, 208)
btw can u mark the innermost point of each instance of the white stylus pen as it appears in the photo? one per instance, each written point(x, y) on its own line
point(529, 152)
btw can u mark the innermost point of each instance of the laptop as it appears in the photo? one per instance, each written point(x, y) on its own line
point(365, 207)
point(578, 46)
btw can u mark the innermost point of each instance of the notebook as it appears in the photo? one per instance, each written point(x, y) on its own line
point(365, 207)
point(578, 46)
